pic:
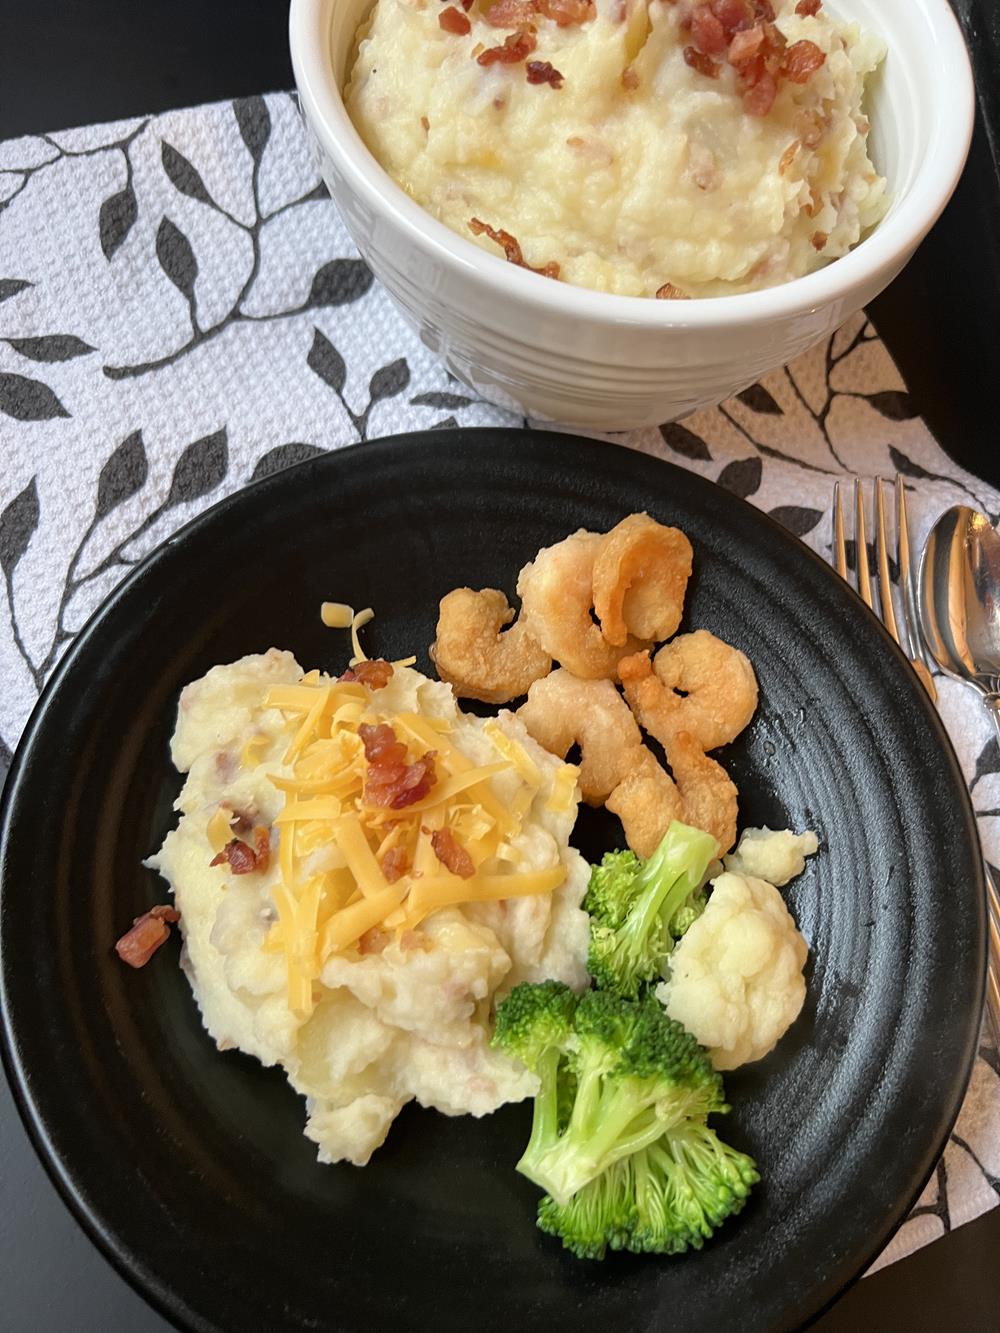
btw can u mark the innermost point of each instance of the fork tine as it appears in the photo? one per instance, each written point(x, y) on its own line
point(839, 546)
point(882, 554)
point(861, 546)
point(915, 647)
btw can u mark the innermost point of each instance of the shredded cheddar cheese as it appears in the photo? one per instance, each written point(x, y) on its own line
point(346, 865)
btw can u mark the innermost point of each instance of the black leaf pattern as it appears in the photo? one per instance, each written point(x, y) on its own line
point(894, 404)
point(449, 401)
point(28, 400)
point(797, 518)
point(11, 286)
point(117, 218)
point(183, 175)
point(200, 468)
point(122, 476)
point(338, 283)
point(173, 250)
point(285, 455)
point(446, 423)
point(389, 381)
point(988, 761)
point(685, 442)
point(325, 361)
point(17, 523)
point(51, 347)
point(6, 759)
point(907, 466)
point(742, 477)
point(254, 120)
point(759, 399)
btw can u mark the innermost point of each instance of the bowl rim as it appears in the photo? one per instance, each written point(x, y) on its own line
point(883, 251)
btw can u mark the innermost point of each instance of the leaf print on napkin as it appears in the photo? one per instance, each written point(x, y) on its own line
point(11, 286)
point(893, 403)
point(116, 219)
point(17, 524)
point(122, 476)
point(326, 362)
point(987, 761)
point(759, 399)
point(685, 442)
point(448, 401)
point(389, 381)
point(183, 175)
point(742, 477)
point(797, 518)
point(5, 761)
point(28, 400)
point(254, 120)
point(201, 467)
point(285, 455)
point(173, 250)
point(51, 347)
point(339, 282)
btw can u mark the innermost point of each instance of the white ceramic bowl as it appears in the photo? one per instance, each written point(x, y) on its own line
point(587, 358)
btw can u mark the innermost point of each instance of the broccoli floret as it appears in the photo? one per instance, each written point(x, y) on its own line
point(637, 908)
point(619, 1138)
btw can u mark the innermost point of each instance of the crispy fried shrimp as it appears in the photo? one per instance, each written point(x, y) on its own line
point(563, 710)
point(718, 690)
point(556, 591)
point(641, 573)
point(707, 791)
point(646, 801)
point(472, 654)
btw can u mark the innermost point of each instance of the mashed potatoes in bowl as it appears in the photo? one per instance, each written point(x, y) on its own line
point(343, 936)
point(666, 148)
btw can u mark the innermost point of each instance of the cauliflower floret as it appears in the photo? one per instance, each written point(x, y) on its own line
point(772, 854)
point(736, 979)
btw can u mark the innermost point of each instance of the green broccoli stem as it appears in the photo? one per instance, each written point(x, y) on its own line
point(545, 1117)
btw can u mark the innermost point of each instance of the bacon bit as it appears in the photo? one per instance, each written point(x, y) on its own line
point(510, 13)
point(807, 8)
point(395, 863)
point(734, 15)
point(467, 5)
point(819, 240)
point(243, 859)
point(390, 781)
point(567, 13)
point(137, 946)
point(801, 61)
point(373, 940)
point(517, 47)
point(540, 71)
point(668, 292)
point(759, 97)
point(702, 63)
point(745, 46)
point(630, 79)
point(764, 10)
point(450, 852)
point(788, 157)
point(862, 124)
point(375, 673)
point(707, 33)
point(511, 248)
point(453, 20)
point(425, 124)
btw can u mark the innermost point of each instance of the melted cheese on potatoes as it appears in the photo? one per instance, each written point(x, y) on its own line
point(661, 183)
point(364, 1023)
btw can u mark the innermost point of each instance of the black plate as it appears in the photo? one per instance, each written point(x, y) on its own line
point(188, 1167)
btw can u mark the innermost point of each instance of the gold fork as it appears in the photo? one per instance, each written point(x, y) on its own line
point(910, 642)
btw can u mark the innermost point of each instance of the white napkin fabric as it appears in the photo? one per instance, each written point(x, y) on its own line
point(182, 310)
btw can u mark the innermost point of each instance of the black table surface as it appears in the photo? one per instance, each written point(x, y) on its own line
point(74, 62)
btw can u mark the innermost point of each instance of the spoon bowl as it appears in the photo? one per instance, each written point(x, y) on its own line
point(960, 599)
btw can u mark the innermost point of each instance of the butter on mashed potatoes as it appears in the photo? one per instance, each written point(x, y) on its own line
point(641, 147)
point(362, 1024)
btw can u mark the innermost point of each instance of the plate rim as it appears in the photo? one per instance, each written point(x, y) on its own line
point(125, 1262)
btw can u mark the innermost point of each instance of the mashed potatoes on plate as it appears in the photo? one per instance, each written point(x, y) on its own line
point(361, 1025)
point(644, 147)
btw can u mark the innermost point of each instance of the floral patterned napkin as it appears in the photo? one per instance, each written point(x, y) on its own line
point(182, 311)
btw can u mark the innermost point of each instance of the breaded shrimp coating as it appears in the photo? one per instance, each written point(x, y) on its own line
point(647, 802)
point(640, 576)
point(562, 710)
point(697, 684)
point(708, 793)
point(477, 656)
point(557, 595)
